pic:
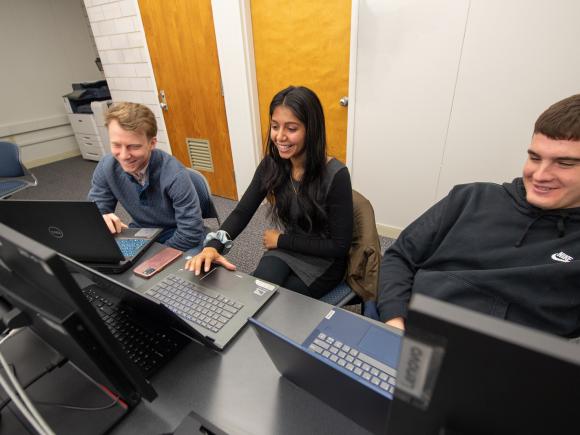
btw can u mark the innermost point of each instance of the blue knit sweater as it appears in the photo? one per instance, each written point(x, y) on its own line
point(168, 200)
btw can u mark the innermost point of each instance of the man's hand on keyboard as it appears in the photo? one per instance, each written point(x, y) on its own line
point(206, 258)
point(114, 223)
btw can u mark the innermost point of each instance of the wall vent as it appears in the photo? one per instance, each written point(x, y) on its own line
point(199, 152)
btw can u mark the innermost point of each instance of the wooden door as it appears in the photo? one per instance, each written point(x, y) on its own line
point(182, 45)
point(304, 42)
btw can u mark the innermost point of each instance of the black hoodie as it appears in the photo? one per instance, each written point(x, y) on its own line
point(486, 248)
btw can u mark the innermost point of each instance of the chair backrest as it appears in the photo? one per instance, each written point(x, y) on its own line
point(364, 257)
point(10, 165)
point(203, 190)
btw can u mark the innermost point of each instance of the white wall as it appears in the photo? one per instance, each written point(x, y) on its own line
point(447, 92)
point(120, 40)
point(518, 59)
point(45, 45)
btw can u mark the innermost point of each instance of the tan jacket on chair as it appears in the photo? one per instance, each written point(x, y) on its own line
point(364, 257)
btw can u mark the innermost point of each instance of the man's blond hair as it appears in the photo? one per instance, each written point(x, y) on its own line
point(133, 117)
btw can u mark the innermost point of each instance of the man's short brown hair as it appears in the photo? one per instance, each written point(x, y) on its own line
point(133, 117)
point(561, 121)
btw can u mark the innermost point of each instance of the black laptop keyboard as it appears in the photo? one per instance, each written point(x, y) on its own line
point(149, 348)
point(189, 301)
point(131, 247)
point(360, 364)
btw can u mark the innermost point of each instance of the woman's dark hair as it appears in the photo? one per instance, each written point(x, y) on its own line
point(306, 106)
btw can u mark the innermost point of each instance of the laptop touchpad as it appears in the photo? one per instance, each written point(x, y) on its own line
point(382, 345)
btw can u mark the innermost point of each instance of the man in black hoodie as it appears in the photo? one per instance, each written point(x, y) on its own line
point(510, 251)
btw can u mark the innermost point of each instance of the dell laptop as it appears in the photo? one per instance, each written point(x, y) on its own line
point(77, 230)
point(348, 361)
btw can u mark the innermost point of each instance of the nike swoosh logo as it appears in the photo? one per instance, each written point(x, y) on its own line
point(562, 260)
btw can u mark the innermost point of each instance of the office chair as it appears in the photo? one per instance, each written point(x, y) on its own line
point(343, 295)
point(13, 174)
point(362, 275)
point(208, 210)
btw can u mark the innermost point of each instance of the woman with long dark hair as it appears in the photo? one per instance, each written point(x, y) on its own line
point(310, 198)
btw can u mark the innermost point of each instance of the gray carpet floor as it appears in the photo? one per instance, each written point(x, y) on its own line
point(70, 179)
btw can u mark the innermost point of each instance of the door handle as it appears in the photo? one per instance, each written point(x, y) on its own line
point(343, 101)
point(162, 101)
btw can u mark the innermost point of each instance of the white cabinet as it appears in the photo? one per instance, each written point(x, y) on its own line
point(90, 131)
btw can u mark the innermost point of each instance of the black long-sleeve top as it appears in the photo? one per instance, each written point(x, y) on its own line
point(338, 207)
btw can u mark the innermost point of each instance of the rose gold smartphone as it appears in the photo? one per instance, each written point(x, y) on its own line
point(157, 263)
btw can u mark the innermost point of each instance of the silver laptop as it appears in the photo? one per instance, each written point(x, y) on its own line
point(216, 304)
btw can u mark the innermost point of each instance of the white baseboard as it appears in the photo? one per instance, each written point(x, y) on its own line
point(52, 159)
point(387, 231)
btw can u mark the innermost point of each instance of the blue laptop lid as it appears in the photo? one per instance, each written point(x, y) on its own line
point(359, 400)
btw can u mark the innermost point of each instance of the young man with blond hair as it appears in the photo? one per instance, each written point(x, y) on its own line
point(154, 187)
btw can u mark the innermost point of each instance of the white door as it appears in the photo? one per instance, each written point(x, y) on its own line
point(447, 91)
point(406, 65)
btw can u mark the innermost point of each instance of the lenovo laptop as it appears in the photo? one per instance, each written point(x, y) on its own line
point(348, 361)
point(77, 230)
point(217, 304)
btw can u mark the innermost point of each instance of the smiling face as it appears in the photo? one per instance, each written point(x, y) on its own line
point(287, 133)
point(552, 173)
point(132, 149)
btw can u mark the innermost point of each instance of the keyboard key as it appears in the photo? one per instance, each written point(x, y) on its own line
point(321, 343)
point(315, 348)
point(375, 381)
point(358, 371)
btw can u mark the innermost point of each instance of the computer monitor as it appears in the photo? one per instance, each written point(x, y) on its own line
point(462, 372)
point(35, 280)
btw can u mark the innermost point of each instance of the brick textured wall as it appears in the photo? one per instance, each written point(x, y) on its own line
point(120, 41)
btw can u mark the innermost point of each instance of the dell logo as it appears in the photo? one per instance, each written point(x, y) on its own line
point(55, 232)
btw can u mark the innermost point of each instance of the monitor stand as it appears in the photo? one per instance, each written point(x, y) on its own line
point(54, 385)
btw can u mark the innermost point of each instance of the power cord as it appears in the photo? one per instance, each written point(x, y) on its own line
point(19, 397)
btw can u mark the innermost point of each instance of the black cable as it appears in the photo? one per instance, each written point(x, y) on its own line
point(79, 408)
point(32, 381)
